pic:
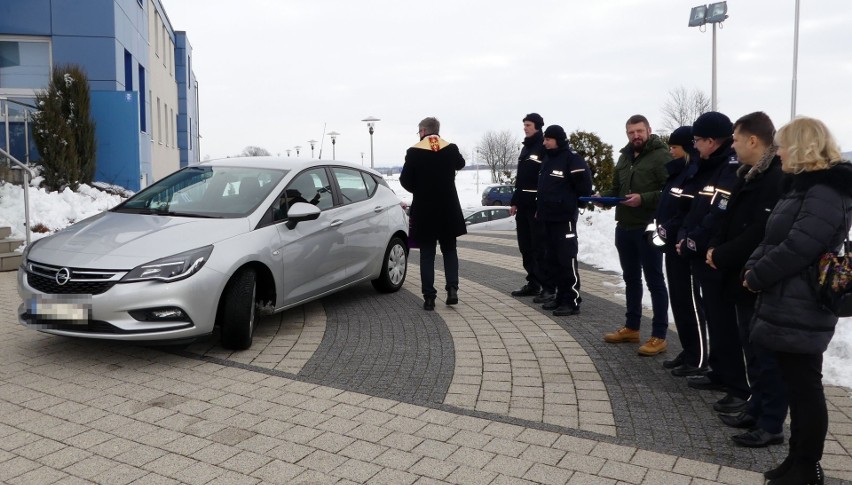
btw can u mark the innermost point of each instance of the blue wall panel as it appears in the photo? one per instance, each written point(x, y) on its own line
point(92, 18)
point(117, 137)
point(25, 17)
point(97, 55)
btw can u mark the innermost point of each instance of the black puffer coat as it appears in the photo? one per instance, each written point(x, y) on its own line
point(807, 221)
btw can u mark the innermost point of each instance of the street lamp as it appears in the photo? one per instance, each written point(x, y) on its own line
point(362, 159)
point(297, 148)
point(333, 135)
point(288, 152)
point(371, 124)
point(795, 62)
point(715, 13)
point(312, 142)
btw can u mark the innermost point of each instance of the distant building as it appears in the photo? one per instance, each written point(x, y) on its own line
point(144, 93)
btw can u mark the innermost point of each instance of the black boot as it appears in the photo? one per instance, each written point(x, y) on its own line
point(801, 473)
point(452, 296)
point(429, 302)
point(780, 470)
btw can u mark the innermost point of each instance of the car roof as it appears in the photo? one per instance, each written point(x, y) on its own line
point(292, 164)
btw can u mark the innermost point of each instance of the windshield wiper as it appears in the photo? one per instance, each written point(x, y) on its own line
point(156, 212)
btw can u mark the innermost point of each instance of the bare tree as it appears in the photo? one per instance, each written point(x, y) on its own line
point(253, 151)
point(499, 150)
point(683, 107)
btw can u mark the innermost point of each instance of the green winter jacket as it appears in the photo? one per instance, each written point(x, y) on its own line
point(646, 175)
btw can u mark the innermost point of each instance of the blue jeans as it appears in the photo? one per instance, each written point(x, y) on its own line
point(637, 256)
point(427, 264)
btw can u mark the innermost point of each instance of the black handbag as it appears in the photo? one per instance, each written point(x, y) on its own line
point(835, 278)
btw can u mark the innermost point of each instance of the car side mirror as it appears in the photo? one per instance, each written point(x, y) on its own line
point(301, 211)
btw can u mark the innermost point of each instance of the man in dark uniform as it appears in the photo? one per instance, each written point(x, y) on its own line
point(712, 134)
point(429, 173)
point(530, 231)
point(759, 186)
point(564, 177)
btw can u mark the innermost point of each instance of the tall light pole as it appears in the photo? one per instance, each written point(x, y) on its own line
point(795, 62)
point(297, 148)
point(715, 13)
point(371, 124)
point(312, 142)
point(288, 152)
point(333, 135)
point(362, 159)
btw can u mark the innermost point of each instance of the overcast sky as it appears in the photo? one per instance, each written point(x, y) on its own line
point(274, 73)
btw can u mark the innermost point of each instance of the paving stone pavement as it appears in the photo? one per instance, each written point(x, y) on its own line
point(368, 388)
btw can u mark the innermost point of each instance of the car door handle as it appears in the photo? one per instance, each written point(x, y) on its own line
point(378, 209)
point(336, 223)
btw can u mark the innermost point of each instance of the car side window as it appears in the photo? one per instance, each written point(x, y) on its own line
point(477, 217)
point(352, 185)
point(499, 214)
point(310, 186)
point(371, 182)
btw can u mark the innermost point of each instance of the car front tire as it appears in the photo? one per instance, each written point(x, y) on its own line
point(394, 267)
point(237, 310)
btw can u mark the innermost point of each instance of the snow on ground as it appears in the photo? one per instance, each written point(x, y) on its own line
point(596, 232)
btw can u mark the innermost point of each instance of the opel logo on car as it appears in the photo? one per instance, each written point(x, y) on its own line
point(63, 276)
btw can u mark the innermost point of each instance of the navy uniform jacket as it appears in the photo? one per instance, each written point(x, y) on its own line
point(718, 175)
point(564, 177)
point(529, 164)
point(676, 198)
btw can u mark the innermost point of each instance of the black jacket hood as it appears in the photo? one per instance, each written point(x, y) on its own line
point(838, 177)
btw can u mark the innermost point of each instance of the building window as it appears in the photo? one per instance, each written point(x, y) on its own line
point(159, 123)
point(157, 23)
point(142, 110)
point(24, 64)
point(128, 71)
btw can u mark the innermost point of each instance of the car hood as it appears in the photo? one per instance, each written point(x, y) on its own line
point(113, 240)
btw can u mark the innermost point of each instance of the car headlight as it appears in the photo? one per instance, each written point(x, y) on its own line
point(172, 268)
point(26, 253)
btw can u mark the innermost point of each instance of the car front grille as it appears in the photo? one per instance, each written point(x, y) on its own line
point(80, 281)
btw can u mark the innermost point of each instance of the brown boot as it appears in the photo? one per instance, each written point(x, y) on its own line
point(623, 334)
point(653, 346)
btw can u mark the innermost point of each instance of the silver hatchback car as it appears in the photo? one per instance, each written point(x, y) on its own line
point(216, 244)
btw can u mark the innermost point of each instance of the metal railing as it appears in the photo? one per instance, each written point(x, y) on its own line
point(28, 175)
point(14, 112)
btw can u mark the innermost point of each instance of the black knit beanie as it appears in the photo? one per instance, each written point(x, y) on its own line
point(557, 133)
point(535, 119)
point(681, 137)
point(713, 124)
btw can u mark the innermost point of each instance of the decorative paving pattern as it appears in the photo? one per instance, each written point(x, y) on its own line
point(512, 361)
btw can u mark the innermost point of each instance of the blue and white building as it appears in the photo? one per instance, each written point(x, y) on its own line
point(144, 94)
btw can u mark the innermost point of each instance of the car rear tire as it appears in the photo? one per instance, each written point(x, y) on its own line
point(394, 267)
point(238, 315)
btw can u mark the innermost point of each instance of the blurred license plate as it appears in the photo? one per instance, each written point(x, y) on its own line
point(75, 309)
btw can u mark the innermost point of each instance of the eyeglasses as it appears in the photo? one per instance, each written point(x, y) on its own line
point(697, 139)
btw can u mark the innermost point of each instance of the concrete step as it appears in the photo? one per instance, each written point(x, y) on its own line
point(5, 232)
point(10, 261)
point(10, 245)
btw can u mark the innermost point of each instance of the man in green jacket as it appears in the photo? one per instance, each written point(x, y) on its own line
point(639, 177)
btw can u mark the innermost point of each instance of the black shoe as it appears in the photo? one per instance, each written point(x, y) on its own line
point(704, 383)
point(687, 370)
point(757, 438)
point(526, 290)
point(452, 296)
point(544, 297)
point(429, 303)
point(730, 404)
point(799, 473)
point(565, 310)
point(551, 305)
point(742, 420)
point(780, 470)
point(672, 363)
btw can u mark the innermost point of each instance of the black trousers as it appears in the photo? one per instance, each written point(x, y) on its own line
point(687, 308)
point(561, 268)
point(427, 264)
point(768, 402)
point(802, 373)
point(531, 244)
point(726, 357)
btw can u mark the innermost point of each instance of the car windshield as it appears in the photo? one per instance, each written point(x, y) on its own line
point(205, 191)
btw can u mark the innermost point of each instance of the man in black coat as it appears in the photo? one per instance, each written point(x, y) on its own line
point(712, 133)
point(429, 174)
point(530, 230)
point(758, 188)
point(564, 177)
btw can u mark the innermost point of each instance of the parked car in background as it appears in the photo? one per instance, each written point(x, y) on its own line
point(489, 219)
point(497, 195)
point(216, 244)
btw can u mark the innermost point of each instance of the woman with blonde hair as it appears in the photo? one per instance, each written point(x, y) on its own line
point(813, 217)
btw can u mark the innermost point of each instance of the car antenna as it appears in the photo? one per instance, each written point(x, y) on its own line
point(322, 140)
